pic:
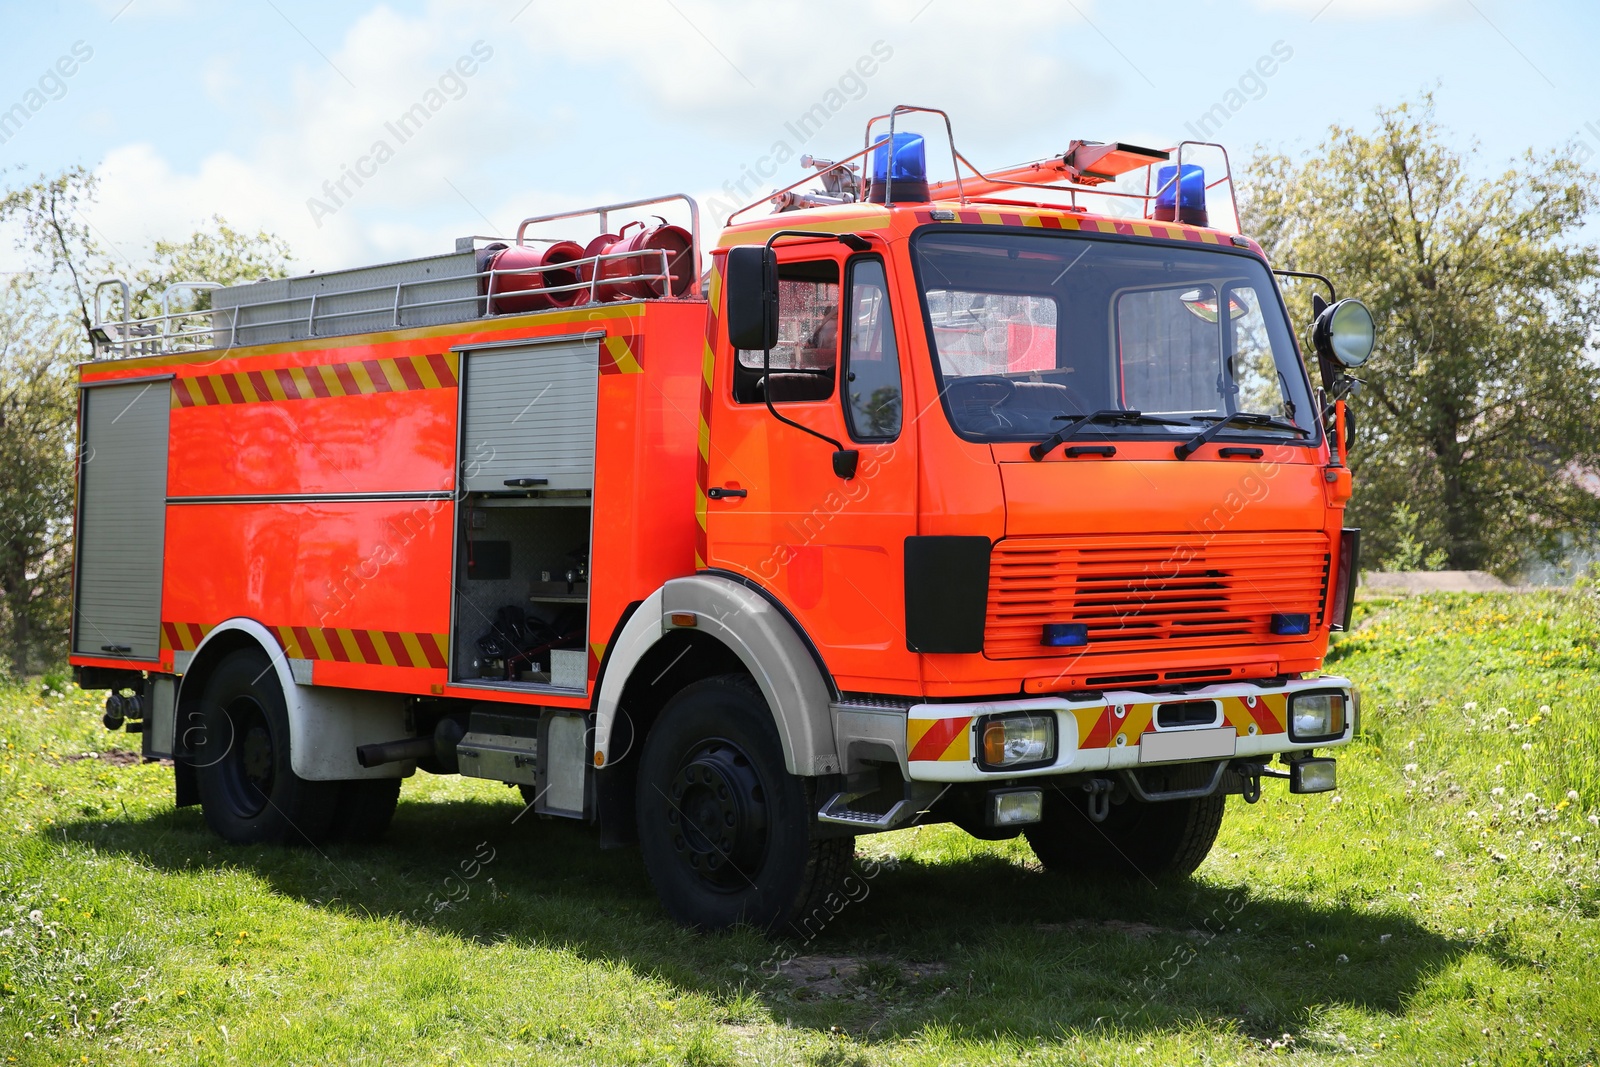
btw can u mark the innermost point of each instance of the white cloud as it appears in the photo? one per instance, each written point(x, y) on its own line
point(600, 87)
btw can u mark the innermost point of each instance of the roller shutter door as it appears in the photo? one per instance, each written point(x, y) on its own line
point(122, 488)
point(529, 412)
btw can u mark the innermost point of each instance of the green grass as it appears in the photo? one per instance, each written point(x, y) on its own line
point(1439, 909)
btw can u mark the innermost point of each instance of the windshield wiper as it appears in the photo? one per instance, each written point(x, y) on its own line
point(1219, 423)
point(1111, 415)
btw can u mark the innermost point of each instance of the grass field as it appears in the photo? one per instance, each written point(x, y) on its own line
point(1441, 908)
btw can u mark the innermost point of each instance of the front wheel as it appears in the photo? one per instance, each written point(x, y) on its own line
point(1166, 839)
point(725, 829)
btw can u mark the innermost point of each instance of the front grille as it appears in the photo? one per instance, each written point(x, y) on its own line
point(1151, 591)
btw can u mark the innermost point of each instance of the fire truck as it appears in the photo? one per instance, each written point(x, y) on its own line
point(1007, 500)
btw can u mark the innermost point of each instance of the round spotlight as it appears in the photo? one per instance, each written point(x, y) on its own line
point(1346, 333)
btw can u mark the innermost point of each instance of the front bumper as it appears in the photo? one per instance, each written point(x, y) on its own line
point(1111, 732)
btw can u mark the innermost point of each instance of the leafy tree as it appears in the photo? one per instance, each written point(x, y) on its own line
point(1410, 554)
point(1480, 406)
point(37, 424)
point(45, 315)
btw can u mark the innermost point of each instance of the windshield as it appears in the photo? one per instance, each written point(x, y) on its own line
point(1026, 329)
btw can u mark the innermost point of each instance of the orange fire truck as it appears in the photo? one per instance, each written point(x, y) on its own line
point(940, 501)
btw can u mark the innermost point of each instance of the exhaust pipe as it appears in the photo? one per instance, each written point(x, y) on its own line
point(394, 751)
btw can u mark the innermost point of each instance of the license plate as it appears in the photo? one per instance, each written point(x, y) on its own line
point(1188, 744)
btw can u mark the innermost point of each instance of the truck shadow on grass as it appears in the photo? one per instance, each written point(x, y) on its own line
point(980, 945)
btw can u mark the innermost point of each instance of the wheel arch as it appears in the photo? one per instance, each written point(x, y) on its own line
point(326, 724)
point(736, 630)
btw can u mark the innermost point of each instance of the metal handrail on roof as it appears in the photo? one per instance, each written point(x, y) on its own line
point(166, 333)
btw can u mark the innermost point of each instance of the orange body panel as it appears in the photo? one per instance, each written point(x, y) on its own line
point(362, 587)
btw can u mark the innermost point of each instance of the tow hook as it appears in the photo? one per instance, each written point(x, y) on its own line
point(1099, 800)
point(1252, 774)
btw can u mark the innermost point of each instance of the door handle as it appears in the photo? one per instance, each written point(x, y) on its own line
point(717, 492)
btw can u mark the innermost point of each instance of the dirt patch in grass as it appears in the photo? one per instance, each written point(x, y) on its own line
point(854, 976)
point(117, 757)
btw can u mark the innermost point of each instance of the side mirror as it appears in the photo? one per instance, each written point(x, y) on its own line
point(1345, 333)
point(750, 282)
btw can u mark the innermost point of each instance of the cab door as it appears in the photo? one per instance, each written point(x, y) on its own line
point(830, 549)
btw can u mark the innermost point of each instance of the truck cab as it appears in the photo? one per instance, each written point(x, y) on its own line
point(1052, 496)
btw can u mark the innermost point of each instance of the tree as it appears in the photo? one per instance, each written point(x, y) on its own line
point(1480, 406)
point(45, 315)
point(37, 409)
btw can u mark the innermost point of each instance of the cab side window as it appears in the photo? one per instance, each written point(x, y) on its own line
point(805, 361)
point(872, 360)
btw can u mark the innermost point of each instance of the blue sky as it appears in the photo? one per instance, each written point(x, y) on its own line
point(247, 109)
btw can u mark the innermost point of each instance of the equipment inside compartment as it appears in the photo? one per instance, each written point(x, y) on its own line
point(522, 591)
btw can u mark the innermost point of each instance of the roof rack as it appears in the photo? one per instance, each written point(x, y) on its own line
point(429, 291)
point(1083, 170)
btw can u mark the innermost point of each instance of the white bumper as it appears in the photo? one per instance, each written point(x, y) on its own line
point(1114, 732)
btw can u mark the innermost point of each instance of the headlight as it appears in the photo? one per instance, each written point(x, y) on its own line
point(1013, 741)
point(1317, 716)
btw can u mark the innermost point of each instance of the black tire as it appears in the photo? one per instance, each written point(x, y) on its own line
point(365, 809)
point(248, 790)
point(1167, 839)
point(714, 759)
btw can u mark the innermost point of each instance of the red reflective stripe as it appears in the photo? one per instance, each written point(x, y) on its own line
point(347, 380)
point(369, 654)
point(380, 380)
point(938, 738)
point(408, 373)
point(442, 371)
point(1099, 735)
point(430, 649)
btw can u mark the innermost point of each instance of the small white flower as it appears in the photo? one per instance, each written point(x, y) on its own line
point(1383, 939)
point(1576, 840)
point(36, 917)
point(1501, 711)
point(1526, 747)
point(1572, 795)
point(1544, 709)
point(1594, 820)
point(1342, 958)
point(1471, 705)
point(1472, 815)
point(1337, 800)
point(1537, 846)
point(1438, 853)
point(1411, 768)
point(1498, 791)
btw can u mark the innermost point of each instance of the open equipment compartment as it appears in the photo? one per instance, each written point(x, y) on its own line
point(520, 609)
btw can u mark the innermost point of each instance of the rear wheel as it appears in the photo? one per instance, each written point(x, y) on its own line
point(248, 790)
point(366, 807)
point(726, 831)
point(1167, 839)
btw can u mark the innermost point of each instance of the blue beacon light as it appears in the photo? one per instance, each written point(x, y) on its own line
point(1065, 634)
point(902, 164)
point(1294, 624)
point(1183, 200)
